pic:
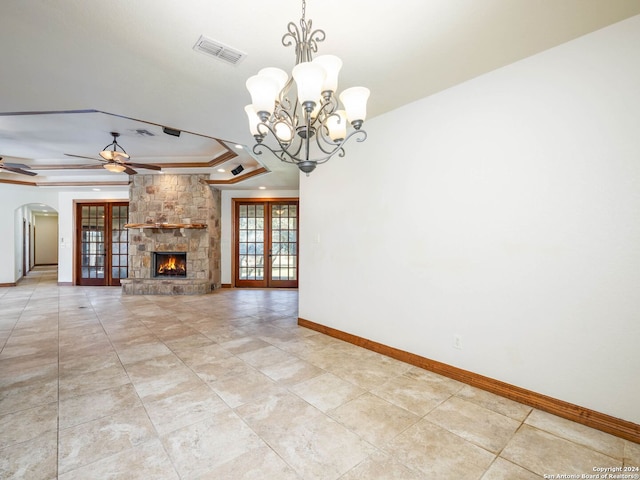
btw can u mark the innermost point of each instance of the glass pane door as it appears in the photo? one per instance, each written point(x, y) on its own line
point(102, 243)
point(119, 243)
point(251, 243)
point(92, 250)
point(283, 251)
point(266, 243)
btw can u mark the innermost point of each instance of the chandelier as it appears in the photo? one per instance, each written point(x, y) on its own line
point(307, 126)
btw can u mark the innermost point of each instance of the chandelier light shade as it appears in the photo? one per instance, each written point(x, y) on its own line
point(113, 154)
point(305, 125)
point(115, 167)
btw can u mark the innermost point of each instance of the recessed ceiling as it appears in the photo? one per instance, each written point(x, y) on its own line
point(63, 147)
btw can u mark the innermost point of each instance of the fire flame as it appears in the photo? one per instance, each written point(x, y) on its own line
point(171, 267)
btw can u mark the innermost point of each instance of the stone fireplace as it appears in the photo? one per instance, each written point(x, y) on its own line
point(174, 236)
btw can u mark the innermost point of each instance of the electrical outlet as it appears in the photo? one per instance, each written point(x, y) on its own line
point(457, 341)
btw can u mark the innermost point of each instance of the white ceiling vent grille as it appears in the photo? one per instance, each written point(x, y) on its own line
point(214, 48)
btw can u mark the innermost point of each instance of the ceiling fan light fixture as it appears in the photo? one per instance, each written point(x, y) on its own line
point(114, 167)
point(113, 154)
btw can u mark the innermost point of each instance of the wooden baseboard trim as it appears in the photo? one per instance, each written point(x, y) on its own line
point(226, 285)
point(591, 418)
point(8, 284)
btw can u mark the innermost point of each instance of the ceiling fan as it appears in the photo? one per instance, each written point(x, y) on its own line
point(16, 168)
point(116, 159)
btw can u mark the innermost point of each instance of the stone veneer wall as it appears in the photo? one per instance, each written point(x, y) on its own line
point(174, 199)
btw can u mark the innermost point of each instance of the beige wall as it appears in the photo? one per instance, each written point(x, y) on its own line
point(46, 240)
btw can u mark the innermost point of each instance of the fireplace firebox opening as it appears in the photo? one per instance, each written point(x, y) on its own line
point(169, 264)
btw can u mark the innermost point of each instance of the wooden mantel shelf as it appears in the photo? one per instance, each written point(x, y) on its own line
point(166, 225)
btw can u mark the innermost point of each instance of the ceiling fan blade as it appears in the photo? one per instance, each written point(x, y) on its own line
point(129, 171)
point(17, 165)
point(148, 166)
point(17, 170)
point(82, 156)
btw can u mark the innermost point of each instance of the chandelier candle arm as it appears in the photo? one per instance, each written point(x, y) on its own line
point(294, 116)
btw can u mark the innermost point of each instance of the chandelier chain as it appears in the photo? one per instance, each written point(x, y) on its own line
point(304, 9)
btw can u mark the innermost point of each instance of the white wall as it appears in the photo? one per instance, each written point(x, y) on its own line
point(506, 211)
point(227, 223)
point(46, 240)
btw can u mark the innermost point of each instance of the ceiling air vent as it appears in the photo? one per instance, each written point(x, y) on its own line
point(213, 48)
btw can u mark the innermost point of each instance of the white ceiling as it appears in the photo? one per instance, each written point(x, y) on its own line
point(134, 62)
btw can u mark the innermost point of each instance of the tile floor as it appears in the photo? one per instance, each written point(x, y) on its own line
point(96, 385)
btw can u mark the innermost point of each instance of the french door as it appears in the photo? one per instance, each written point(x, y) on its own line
point(102, 243)
point(266, 243)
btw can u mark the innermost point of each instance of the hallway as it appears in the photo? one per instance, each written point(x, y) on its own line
point(97, 385)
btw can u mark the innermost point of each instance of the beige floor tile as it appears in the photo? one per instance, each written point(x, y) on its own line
point(14, 370)
point(277, 413)
point(28, 424)
point(437, 382)
point(302, 345)
point(546, 454)
point(103, 403)
point(498, 404)
point(224, 334)
point(319, 448)
point(632, 453)
point(172, 330)
point(263, 357)
point(88, 363)
point(143, 462)
point(131, 354)
point(327, 391)
point(26, 345)
point(244, 388)
point(203, 355)
point(28, 394)
point(83, 383)
point(374, 419)
point(258, 464)
point(291, 371)
point(580, 434)
point(184, 409)
point(243, 344)
point(199, 448)
point(32, 460)
point(418, 395)
point(381, 465)
point(222, 369)
point(502, 469)
point(474, 423)
point(438, 453)
point(188, 343)
point(369, 375)
point(161, 377)
point(101, 438)
point(86, 349)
